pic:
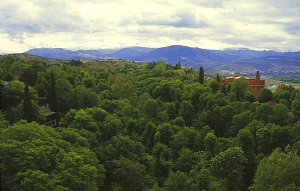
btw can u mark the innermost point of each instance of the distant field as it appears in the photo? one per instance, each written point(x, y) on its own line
point(32, 58)
point(111, 64)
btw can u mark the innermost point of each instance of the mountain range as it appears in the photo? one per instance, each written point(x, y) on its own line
point(242, 60)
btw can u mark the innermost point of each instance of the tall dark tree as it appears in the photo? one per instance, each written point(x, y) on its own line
point(201, 75)
point(1, 88)
point(223, 90)
point(27, 106)
point(237, 94)
point(52, 94)
point(218, 78)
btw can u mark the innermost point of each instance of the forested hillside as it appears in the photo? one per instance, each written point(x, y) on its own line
point(137, 127)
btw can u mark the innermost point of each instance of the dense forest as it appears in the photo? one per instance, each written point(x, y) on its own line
point(135, 127)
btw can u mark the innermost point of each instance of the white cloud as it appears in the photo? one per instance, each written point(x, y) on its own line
point(216, 24)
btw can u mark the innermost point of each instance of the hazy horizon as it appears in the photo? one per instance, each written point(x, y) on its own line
point(100, 24)
point(119, 48)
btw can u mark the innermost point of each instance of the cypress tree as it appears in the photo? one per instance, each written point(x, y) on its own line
point(223, 90)
point(201, 75)
point(1, 87)
point(28, 112)
point(218, 78)
point(237, 92)
point(52, 94)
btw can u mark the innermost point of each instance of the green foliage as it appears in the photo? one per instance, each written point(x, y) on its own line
point(229, 166)
point(177, 181)
point(214, 85)
point(266, 95)
point(279, 171)
point(133, 126)
point(210, 142)
point(201, 75)
point(28, 110)
point(35, 157)
point(281, 115)
point(128, 175)
point(186, 111)
point(239, 88)
point(151, 109)
point(122, 85)
point(53, 105)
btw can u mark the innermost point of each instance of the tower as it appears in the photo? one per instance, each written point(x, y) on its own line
point(257, 75)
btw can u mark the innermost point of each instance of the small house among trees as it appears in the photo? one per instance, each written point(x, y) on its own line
point(48, 115)
point(256, 84)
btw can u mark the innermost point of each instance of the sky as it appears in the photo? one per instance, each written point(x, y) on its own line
point(97, 24)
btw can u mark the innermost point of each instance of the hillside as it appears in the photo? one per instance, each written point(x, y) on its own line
point(113, 125)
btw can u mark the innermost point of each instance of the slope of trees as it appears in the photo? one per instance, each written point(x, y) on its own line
point(143, 127)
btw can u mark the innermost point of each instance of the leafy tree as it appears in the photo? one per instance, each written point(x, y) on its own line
point(3, 123)
point(162, 162)
point(266, 95)
point(246, 141)
point(280, 136)
point(171, 110)
point(165, 92)
point(160, 66)
point(177, 181)
point(263, 112)
point(122, 85)
point(263, 140)
point(229, 167)
point(210, 142)
point(29, 75)
point(280, 115)
point(65, 95)
point(279, 171)
point(249, 96)
point(123, 146)
point(128, 175)
point(214, 85)
point(186, 160)
point(186, 111)
point(12, 95)
point(111, 127)
point(201, 178)
point(164, 133)
point(34, 157)
point(187, 137)
point(84, 97)
point(239, 88)
point(151, 109)
point(148, 135)
point(239, 121)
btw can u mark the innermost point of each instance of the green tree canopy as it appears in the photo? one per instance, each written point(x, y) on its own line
point(279, 171)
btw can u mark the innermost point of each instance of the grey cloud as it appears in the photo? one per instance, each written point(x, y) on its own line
point(178, 20)
point(208, 3)
point(223, 22)
point(189, 20)
point(50, 17)
point(292, 28)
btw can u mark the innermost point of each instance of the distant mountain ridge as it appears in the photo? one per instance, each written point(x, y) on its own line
point(242, 60)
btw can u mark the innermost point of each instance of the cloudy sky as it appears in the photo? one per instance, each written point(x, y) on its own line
point(93, 24)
